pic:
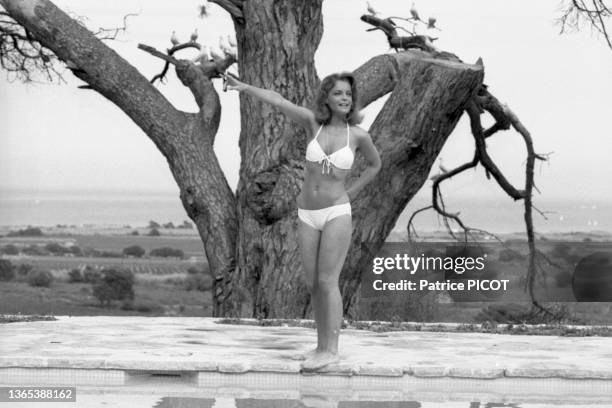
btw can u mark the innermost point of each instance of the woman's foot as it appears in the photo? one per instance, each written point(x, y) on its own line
point(319, 360)
point(306, 355)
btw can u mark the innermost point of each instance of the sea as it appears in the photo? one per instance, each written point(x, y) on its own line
point(114, 208)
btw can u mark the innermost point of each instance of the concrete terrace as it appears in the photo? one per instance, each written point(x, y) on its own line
point(110, 351)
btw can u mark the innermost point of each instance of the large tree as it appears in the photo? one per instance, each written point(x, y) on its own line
point(249, 236)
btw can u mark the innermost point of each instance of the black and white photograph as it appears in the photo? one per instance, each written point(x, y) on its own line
point(316, 203)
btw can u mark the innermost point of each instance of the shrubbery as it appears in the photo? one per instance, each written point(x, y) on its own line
point(57, 249)
point(34, 250)
point(10, 249)
point(153, 224)
point(134, 250)
point(116, 284)
point(186, 224)
point(24, 269)
point(91, 275)
point(27, 232)
point(40, 278)
point(153, 232)
point(7, 272)
point(167, 252)
point(200, 281)
point(75, 276)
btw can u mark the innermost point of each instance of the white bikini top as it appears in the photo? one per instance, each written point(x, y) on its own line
point(341, 158)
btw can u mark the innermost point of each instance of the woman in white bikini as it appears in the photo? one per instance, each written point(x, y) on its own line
point(324, 207)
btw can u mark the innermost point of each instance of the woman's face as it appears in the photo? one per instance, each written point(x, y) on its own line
point(340, 98)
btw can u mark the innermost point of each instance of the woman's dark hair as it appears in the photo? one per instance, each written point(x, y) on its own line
point(322, 111)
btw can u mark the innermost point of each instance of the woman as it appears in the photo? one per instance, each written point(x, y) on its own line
point(324, 208)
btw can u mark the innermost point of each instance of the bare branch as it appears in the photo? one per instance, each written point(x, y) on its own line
point(576, 14)
point(112, 33)
point(484, 157)
point(22, 55)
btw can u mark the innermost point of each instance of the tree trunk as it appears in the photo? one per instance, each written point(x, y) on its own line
point(276, 47)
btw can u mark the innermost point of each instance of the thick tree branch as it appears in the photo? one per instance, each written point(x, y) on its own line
point(233, 7)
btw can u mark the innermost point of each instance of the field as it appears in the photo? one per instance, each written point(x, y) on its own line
point(75, 299)
point(161, 283)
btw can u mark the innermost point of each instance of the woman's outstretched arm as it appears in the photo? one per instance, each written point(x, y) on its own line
point(300, 114)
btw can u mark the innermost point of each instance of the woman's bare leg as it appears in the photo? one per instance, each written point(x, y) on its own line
point(308, 242)
point(334, 244)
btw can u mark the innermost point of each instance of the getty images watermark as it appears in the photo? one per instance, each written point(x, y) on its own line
point(411, 265)
point(488, 271)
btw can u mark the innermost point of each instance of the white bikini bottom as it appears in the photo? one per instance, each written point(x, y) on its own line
point(318, 218)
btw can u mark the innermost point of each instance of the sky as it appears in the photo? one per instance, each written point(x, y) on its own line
point(62, 138)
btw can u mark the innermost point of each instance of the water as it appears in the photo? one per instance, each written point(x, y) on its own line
point(274, 390)
point(152, 399)
point(49, 208)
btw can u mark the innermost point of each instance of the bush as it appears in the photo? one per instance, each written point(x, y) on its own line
point(56, 249)
point(34, 250)
point(186, 224)
point(153, 232)
point(28, 232)
point(7, 272)
point(74, 276)
point(24, 269)
point(135, 233)
point(10, 249)
point(75, 250)
point(200, 282)
point(153, 224)
point(91, 275)
point(116, 284)
point(167, 252)
point(40, 278)
point(169, 225)
point(134, 250)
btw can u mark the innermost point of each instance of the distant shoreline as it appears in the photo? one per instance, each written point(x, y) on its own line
point(397, 235)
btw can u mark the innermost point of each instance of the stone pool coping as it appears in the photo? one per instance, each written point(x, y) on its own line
point(112, 344)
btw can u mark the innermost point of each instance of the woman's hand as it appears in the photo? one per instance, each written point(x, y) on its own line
point(232, 82)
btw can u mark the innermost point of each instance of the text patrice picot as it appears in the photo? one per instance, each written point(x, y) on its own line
point(412, 264)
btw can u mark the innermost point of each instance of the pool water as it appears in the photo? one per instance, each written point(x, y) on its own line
point(134, 389)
